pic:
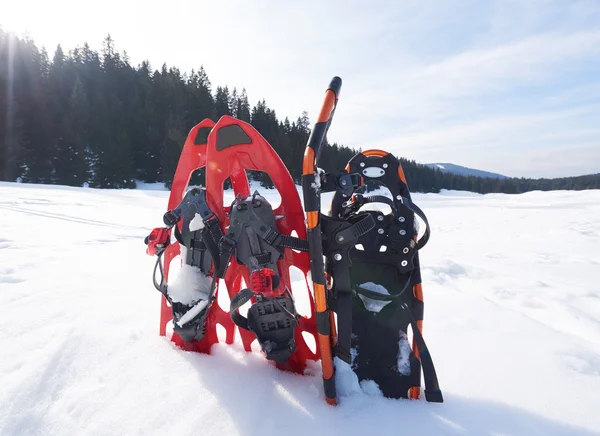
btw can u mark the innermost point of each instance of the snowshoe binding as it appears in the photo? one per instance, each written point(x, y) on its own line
point(198, 245)
point(272, 317)
point(371, 278)
point(192, 233)
point(235, 148)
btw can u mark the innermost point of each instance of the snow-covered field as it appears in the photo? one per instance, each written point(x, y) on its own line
point(512, 318)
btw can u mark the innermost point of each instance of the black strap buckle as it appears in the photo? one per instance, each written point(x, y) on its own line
point(195, 198)
point(346, 183)
point(228, 241)
point(170, 218)
point(343, 182)
point(211, 222)
point(270, 236)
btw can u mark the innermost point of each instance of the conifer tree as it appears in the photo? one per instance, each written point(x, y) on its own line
point(222, 100)
point(70, 161)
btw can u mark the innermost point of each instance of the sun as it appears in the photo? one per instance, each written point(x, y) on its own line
point(13, 18)
point(50, 23)
point(9, 18)
point(25, 18)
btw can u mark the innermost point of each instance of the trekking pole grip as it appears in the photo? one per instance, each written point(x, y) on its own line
point(335, 85)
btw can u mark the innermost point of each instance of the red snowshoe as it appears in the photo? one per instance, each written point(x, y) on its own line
point(246, 242)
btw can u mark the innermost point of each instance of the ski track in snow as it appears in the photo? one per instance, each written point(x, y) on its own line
point(512, 319)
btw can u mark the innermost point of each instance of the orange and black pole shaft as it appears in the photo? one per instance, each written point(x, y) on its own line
point(312, 206)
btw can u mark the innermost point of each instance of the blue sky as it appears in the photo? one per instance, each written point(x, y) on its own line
point(505, 86)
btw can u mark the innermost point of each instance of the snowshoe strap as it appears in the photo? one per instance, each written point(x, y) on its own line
point(417, 211)
point(196, 198)
point(211, 236)
point(162, 286)
point(238, 301)
point(379, 199)
point(226, 249)
point(343, 309)
point(340, 239)
point(277, 239)
point(359, 290)
point(359, 200)
point(342, 303)
point(433, 393)
point(178, 235)
point(355, 231)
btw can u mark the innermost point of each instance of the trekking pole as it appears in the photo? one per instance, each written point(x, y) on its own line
point(312, 206)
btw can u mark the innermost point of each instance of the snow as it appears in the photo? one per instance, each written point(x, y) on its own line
point(190, 314)
point(404, 355)
point(370, 304)
point(188, 284)
point(346, 381)
point(196, 223)
point(316, 185)
point(512, 320)
point(155, 186)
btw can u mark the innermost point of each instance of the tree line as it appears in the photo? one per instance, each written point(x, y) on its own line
point(87, 117)
point(422, 178)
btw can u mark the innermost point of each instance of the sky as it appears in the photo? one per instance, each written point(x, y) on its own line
point(499, 85)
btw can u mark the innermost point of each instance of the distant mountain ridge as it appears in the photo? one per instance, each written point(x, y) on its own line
point(464, 171)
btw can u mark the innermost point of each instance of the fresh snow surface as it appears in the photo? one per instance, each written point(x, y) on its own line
point(156, 186)
point(512, 319)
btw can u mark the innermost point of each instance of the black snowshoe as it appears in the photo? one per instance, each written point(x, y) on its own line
point(371, 278)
